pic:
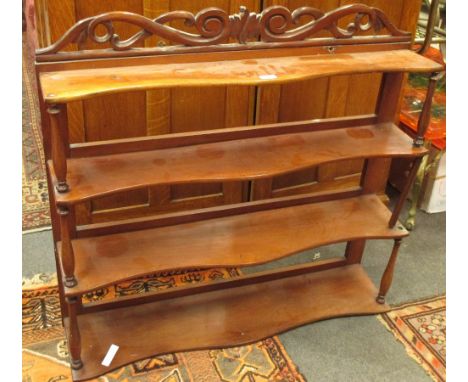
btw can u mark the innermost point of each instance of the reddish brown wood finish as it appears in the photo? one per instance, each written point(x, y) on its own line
point(205, 108)
point(213, 26)
point(404, 193)
point(241, 240)
point(209, 286)
point(354, 251)
point(81, 84)
point(425, 117)
point(222, 318)
point(375, 173)
point(221, 313)
point(66, 251)
point(241, 53)
point(60, 145)
point(328, 97)
point(232, 160)
point(387, 277)
point(166, 141)
point(73, 334)
point(389, 96)
point(164, 220)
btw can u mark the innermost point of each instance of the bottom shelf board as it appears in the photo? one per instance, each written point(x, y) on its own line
point(222, 318)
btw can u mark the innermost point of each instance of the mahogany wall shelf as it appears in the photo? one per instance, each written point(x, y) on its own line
point(241, 49)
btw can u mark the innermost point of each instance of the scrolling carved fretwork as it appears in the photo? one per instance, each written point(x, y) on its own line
point(212, 26)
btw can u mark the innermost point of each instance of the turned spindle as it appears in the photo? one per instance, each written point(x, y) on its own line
point(74, 338)
point(387, 277)
point(425, 116)
point(67, 256)
point(59, 138)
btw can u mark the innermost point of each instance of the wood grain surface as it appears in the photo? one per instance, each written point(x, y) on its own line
point(73, 85)
point(182, 109)
point(242, 240)
point(232, 160)
point(222, 318)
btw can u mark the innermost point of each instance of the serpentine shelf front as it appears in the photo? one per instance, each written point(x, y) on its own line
point(218, 319)
point(245, 159)
point(72, 85)
point(240, 240)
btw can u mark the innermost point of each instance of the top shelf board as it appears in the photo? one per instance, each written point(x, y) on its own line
point(71, 85)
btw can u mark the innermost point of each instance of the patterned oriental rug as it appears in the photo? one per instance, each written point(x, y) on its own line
point(35, 196)
point(45, 353)
point(421, 327)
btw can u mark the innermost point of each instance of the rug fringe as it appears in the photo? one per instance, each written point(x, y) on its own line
point(411, 353)
point(40, 280)
point(40, 229)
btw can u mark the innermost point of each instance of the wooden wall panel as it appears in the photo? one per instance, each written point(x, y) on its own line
point(119, 115)
point(114, 116)
point(57, 16)
point(296, 101)
point(42, 23)
point(192, 109)
point(326, 97)
point(158, 102)
point(61, 14)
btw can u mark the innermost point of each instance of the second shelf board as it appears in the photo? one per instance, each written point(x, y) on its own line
point(222, 318)
point(245, 159)
point(240, 240)
point(70, 85)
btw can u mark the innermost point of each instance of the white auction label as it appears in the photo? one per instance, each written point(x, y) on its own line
point(267, 76)
point(110, 355)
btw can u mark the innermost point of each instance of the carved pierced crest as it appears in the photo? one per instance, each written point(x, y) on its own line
point(213, 26)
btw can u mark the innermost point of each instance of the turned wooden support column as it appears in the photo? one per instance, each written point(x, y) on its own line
point(74, 338)
point(67, 256)
point(425, 117)
point(387, 277)
point(59, 138)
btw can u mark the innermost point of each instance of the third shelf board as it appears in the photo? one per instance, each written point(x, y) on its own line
point(240, 240)
point(245, 159)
